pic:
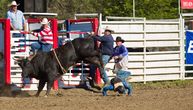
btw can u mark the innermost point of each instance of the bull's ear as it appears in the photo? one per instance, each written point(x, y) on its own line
point(19, 64)
point(17, 58)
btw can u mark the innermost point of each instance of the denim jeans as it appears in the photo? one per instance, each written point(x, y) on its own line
point(18, 35)
point(128, 87)
point(123, 75)
point(105, 59)
point(41, 46)
point(111, 88)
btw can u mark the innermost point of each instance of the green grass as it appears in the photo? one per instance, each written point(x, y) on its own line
point(164, 84)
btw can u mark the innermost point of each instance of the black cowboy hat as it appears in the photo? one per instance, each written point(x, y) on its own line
point(120, 89)
point(119, 39)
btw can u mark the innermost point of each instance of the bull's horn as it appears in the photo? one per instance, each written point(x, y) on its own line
point(31, 57)
point(17, 59)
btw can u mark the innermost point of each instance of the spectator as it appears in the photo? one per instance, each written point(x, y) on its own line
point(16, 17)
point(45, 37)
point(106, 47)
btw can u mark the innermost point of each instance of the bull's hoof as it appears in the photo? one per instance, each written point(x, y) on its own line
point(36, 95)
point(59, 94)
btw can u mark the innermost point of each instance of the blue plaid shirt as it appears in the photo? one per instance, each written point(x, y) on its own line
point(17, 19)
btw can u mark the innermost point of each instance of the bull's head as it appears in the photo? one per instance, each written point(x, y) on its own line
point(26, 66)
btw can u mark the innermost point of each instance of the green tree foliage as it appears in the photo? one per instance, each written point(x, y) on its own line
point(3, 8)
point(151, 9)
point(157, 9)
point(117, 8)
point(67, 8)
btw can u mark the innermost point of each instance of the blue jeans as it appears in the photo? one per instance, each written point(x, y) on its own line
point(105, 59)
point(41, 46)
point(18, 35)
point(111, 88)
point(123, 75)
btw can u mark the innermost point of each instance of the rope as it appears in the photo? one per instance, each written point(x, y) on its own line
point(63, 70)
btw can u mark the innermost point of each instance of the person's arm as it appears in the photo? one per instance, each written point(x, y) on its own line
point(124, 51)
point(8, 17)
point(98, 38)
point(37, 34)
point(115, 51)
point(102, 38)
point(24, 24)
point(12, 26)
point(106, 88)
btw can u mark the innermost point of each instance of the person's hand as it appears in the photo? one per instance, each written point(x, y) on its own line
point(30, 32)
point(91, 33)
point(116, 57)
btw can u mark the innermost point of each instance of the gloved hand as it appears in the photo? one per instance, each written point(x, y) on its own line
point(116, 57)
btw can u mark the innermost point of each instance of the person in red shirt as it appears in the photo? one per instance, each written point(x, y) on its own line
point(45, 37)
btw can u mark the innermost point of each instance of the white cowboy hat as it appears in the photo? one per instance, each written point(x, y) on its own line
point(13, 3)
point(109, 29)
point(45, 21)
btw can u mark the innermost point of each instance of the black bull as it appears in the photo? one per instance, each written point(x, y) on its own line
point(45, 67)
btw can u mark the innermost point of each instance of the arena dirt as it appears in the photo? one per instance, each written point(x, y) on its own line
point(80, 99)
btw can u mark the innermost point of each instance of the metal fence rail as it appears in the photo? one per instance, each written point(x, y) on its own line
point(156, 48)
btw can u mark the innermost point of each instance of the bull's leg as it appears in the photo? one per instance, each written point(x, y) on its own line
point(40, 87)
point(98, 62)
point(49, 86)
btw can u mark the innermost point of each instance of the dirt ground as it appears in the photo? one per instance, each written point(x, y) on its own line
point(80, 99)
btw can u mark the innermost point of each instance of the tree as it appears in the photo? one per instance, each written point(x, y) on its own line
point(67, 8)
point(117, 8)
point(157, 9)
point(151, 9)
point(3, 8)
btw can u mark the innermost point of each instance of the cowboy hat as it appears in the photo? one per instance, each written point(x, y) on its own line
point(45, 21)
point(13, 3)
point(119, 39)
point(109, 29)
